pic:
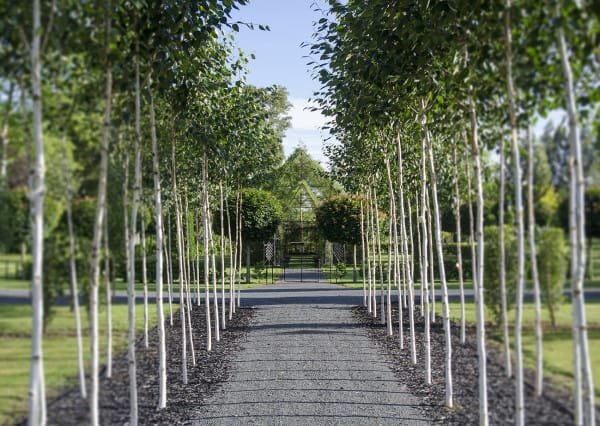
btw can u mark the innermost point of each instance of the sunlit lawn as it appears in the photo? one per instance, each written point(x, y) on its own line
point(60, 357)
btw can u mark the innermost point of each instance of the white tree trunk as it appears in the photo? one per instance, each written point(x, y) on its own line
point(502, 265)
point(182, 300)
point(378, 247)
point(424, 254)
point(431, 262)
point(108, 293)
point(212, 256)
point(514, 142)
point(442, 272)
point(222, 236)
point(362, 246)
point(577, 212)
point(162, 355)
point(240, 251)
point(459, 262)
point(393, 242)
point(539, 366)
point(418, 214)
point(232, 258)
point(73, 267)
point(144, 279)
point(169, 265)
point(368, 249)
point(205, 235)
point(98, 222)
point(478, 276)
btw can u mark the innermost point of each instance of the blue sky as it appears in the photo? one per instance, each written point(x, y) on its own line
point(281, 60)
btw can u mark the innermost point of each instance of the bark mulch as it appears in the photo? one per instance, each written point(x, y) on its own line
point(554, 407)
point(211, 369)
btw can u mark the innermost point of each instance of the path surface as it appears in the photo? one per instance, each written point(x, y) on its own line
point(307, 361)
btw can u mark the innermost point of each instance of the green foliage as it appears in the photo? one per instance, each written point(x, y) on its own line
point(340, 270)
point(491, 274)
point(261, 214)
point(259, 268)
point(14, 219)
point(338, 219)
point(552, 268)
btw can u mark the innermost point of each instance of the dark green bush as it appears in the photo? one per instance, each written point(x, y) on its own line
point(552, 266)
point(491, 274)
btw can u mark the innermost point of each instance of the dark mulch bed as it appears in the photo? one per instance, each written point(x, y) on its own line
point(211, 369)
point(553, 408)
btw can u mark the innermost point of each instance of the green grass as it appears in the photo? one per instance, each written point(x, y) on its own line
point(60, 358)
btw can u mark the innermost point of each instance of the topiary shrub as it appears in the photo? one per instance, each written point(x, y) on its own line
point(552, 267)
point(491, 273)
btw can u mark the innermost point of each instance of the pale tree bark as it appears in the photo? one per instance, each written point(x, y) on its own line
point(185, 233)
point(162, 354)
point(374, 254)
point(514, 142)
point(205, 236)
point(37, 190)
point(478, 259)
point(362, 246)
point(577, 222)
point(431, 262)
point(368, 250)
point(169, 265)
point(222, 236)
point(144, 278)
point(410, 237)
point(4, 134)
point(232, 258)
point(502, 264)
point(240, 251)
point(182, 300)
point(197, 237)
point(212, 254)
point(442, 272)
point(98, 222)
point(393, 242)
point(378, 247)
point(73, 267)
point(418, 214)
point(459, 262)
point(108, 294)
point(539, 360)
point(425, 252)
point(471, 221)
point(135, 202)
point(405, 254)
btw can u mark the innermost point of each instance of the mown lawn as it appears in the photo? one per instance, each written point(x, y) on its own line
point(60, 357)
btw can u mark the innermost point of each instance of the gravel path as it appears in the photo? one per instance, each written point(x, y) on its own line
point(306, 360)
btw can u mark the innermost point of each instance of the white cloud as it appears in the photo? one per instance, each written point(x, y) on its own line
point(303, 118)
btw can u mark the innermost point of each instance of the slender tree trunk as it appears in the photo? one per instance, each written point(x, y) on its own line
point(162, 367)
point(222, 235)
point(205, 235)
point(182, 301)
point(362, 246)
point(354, 274)
point(212, 256)
point(239, 228)
point(108, 293)
point(459, 261)
point(425, 252)
point(431, 261)
point(73, 267)
point(374, 253)
point(409, 268)
point(169, 260)
point(442, 272)
point(479, 302)
point(539, 372)
point(185, 233)
point(232, 258)
point(502, 265)
point(368, 249)
point(577, 211)
point(197, 218)
point(378, 235)
point(4, 134)
point(394, 242)
point(98, 222)
point(512, 112)
point(144, 279)
point(37, 190)
point(419, 215)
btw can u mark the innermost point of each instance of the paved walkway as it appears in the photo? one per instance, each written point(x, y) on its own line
point(307, 361)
